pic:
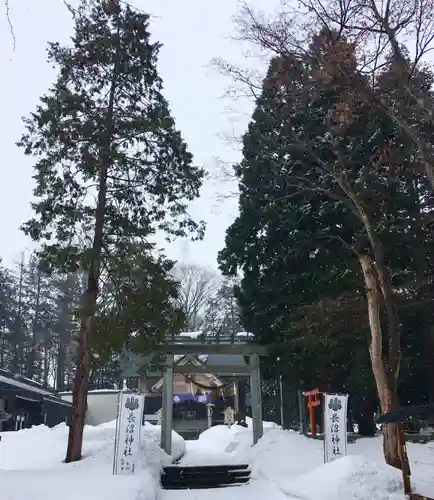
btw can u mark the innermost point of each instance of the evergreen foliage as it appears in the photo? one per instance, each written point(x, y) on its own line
point(111, 168)
point(313, 152)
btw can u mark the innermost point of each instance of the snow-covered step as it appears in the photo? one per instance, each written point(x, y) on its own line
point(206, 476)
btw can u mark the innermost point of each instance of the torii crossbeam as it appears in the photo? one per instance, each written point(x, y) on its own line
point(181, 345)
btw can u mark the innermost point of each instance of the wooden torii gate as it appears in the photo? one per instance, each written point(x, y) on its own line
point(214, 346)
point(138, 366)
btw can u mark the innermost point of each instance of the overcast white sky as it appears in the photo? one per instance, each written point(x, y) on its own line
point(192, 32)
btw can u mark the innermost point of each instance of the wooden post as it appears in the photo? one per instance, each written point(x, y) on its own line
point(209, 414)
point(404, 460)
point(142, 385)
point(236, 397)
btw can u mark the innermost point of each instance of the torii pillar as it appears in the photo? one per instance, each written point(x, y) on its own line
point(256, 398)
point(167, 406)
point(253, 370)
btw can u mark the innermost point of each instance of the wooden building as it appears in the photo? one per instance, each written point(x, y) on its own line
point(194, 393)
point(30, 403)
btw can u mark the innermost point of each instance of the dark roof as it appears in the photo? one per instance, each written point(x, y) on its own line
point(58, 401)
point(408, 414)
point(19, 382)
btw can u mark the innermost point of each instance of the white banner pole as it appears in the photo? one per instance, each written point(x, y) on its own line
point(335, 426)
point(115, 466)
point(324, 427)
point(128, 430)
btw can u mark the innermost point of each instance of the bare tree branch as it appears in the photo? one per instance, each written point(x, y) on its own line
point(11, 26)
point(375, 31)
point(197, 285)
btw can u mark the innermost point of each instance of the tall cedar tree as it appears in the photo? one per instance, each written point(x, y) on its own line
point(111, 167)
point(323, 190)
point(416, 246)
point(282, 242)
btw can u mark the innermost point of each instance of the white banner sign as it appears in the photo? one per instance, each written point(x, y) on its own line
point(128, 426)
point(335, 426)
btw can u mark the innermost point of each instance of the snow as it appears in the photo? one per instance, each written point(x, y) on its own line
point(191, 335)
point(93, 391)
point(294, 464)
point(31, 465)
point(284, 465)
point(31, 381)
point(257, 489)
point(352, 477)
point(244, 334)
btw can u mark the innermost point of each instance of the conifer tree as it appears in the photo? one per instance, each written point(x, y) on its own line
point(318, 209)
point(111, 168)
point(67, 289)
point(8, 318)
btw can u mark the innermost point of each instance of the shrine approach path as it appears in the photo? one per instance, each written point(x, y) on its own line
point(259, 487)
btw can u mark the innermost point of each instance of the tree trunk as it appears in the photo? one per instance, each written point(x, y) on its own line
point(18, 333)
point(60, 367)
point(81, 378)
point(2, 350)
point(62, 335)
point(391, 445)
point(381, 276)
point(386, 384)
point(80, 387)
point(46, 365)
point(35, 325)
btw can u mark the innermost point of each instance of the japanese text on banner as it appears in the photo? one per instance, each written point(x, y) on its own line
point(335, 426)
point(128, 426)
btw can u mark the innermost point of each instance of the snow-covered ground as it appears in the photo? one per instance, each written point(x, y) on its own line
point(32, 468)
point(296, 464)
point(285, 466)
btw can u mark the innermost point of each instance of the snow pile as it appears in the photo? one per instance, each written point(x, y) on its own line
point(284, 466)
point(296, 464)
point(234, 439)
point(31, 465)
point(352, 477)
